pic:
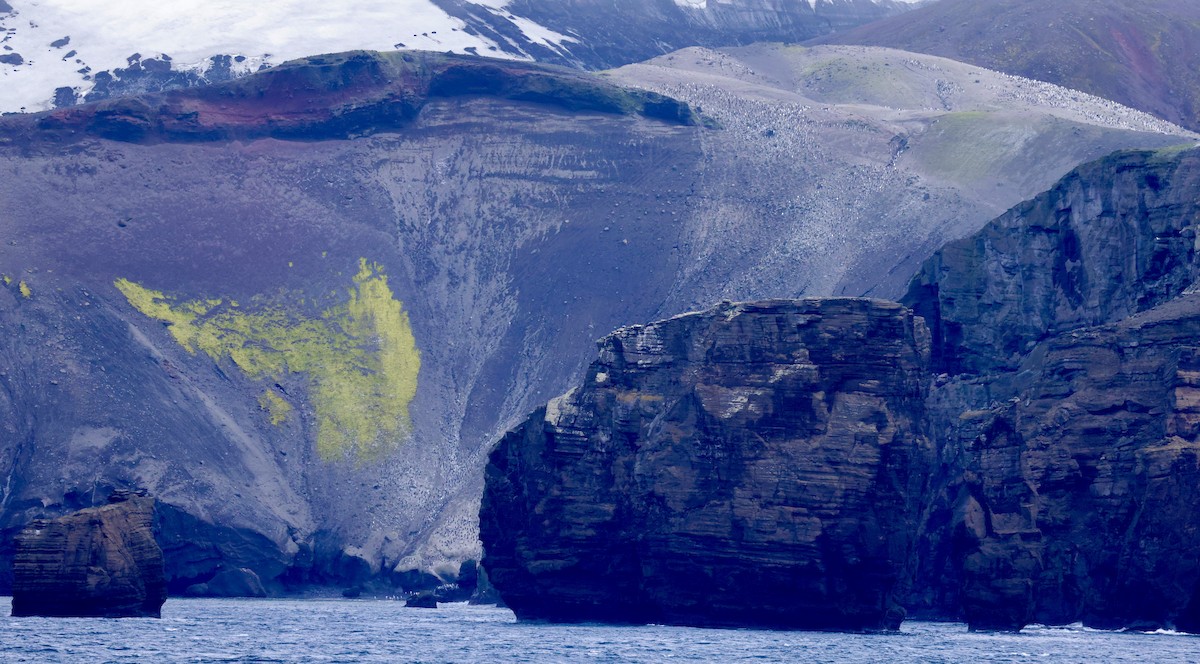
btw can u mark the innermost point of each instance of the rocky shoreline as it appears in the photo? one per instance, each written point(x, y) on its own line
point(99, 562)
point(1030, 456)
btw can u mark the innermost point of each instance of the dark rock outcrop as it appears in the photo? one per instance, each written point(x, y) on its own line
point(422, 600)
point(1070, 434)
point(344, 95)
point(1114, 237)
point(98, 562)
point(758, 464)
point(229, 582)
point(714, 458)
point(512, 232)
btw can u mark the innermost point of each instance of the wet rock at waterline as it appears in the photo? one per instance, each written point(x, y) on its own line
point(98, 562)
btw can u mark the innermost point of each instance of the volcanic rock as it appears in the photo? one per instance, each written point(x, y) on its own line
point(229, 582)
point(1112, 238)
point(1070, 430)
point(759, 464)
point(422, 600)
point(1063, 398)
point(517, 213)
point(98, 562)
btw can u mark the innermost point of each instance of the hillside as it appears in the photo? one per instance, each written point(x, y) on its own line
point(299, 307)
point(53, 53)
point(1140, 54)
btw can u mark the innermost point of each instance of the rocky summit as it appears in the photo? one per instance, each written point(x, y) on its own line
point(805, 463)
point(98, 562)
point(758, 464)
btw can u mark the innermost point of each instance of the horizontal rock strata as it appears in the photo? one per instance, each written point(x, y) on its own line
point(1067, 422)
point(758, 464)
point(98, 562)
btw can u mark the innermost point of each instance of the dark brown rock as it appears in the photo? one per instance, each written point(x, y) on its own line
point(1079, 496)
point(758, 464)
point(422, 600)
point(1070, 438)
point(684, 481)
point(1112, 238)
point(229, 582)
point(343, 95)
point(98, 562)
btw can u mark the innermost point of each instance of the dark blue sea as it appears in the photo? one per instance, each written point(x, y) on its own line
point(213, 630)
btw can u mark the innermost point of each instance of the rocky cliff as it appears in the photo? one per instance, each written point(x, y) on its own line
point(758, 464)
point(1050, 448)
point(1113, 238)
point(299, 307)
point(1067, 422)
point(98, 562)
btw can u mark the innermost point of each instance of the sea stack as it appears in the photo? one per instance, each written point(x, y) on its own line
point(756, 465)
point(99, 562)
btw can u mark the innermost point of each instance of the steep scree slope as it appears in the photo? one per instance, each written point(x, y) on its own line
point(194, 283)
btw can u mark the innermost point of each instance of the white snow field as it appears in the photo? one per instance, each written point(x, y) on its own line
point(50, 44)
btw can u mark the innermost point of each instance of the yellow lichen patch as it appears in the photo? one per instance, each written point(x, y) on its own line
point(25, 291)
point(360, 357)
point(7, 280)
point(275, 407)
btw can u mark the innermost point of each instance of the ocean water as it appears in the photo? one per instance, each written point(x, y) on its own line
point(223, 630)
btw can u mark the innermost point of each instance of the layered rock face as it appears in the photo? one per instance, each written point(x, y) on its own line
point(1114, 237)
point(98, 562)
point(1079, 495)
point(757, 464)
point(170, 262)
point(749, 454)
point(1068, 432)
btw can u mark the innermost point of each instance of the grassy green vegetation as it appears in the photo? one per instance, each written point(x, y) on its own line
point(844, 80)
point(1172, 152)
point(359, 357)
point(276, 408)
point(972, 145)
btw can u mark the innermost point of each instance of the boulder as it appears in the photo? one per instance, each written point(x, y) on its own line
point(422, 600)
point(756, 465)
point(229, 582)
point(98, 562)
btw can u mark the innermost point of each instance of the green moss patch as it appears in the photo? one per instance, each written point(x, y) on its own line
point(359, 357)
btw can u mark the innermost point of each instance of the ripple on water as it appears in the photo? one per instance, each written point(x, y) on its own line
point(213, 630)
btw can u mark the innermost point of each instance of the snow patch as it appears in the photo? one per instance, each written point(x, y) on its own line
point(105, 35)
